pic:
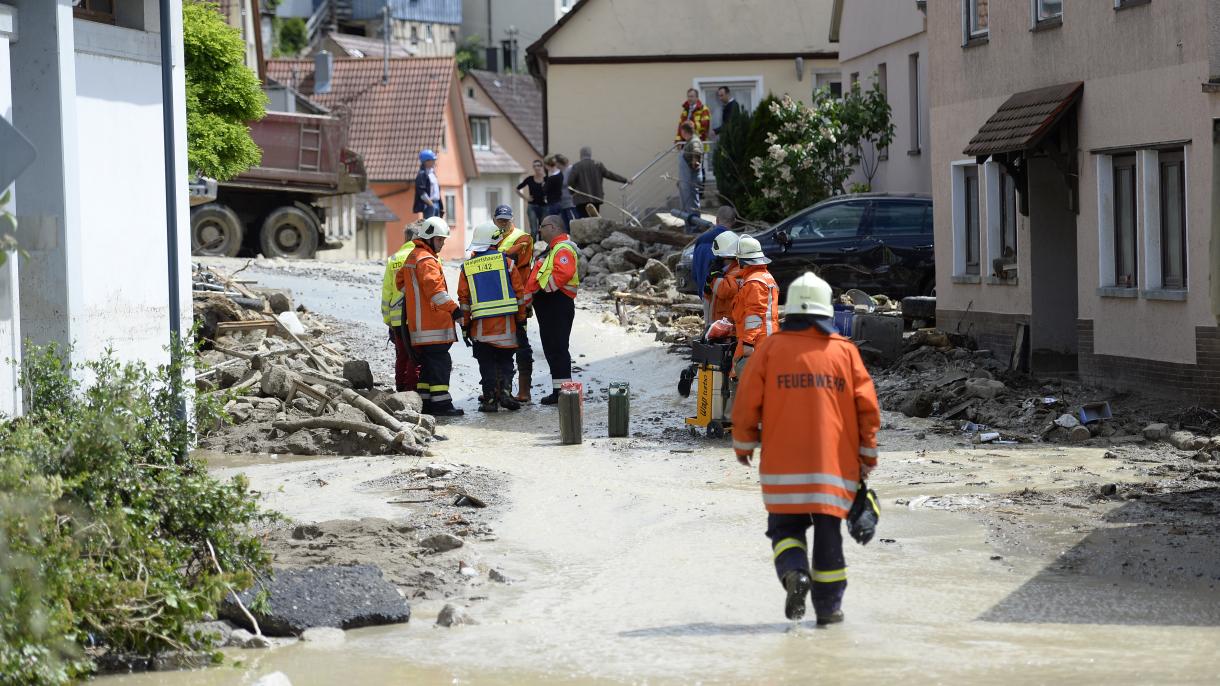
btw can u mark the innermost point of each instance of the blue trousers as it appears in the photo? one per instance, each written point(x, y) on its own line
point(790, 553)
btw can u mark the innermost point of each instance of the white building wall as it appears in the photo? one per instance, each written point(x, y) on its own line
point(10, 326)
point(479, 211)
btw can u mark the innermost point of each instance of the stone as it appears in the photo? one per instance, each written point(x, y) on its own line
point(1185, 440)
point(240, 638)
point(1067, 421)
point(279, 300)
point(232, 374)
point(617, 282)
point(624, 260)
point(277, 381)
point(1156, 432)
point(440, 543)
point(499, 577)
point(618, 239)
point(657, 271)
point(215, 634)
point(302, 442)
point(1108, 489)
point(1079, 434)
point(180, 660)
point(435, 471)
point(273, 679)
point(984, 389)
point(591, 230)
point(240, 413)
point(452, 615)
point(916, 404)
point(358, 373)
point(306, 405)
point(306, 532)
point(327, 635)
point(346, 597)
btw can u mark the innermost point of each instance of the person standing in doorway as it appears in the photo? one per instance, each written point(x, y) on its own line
point(531, 191)
point(807, 400)
point(551, 291)
point(729, 107)
point(518, 246)
point(695, 112)
point(428, 188)
point(430, 315)
point(586, 182)
point(690, 169)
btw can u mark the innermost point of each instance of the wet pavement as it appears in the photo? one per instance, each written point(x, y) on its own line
point(643, 560)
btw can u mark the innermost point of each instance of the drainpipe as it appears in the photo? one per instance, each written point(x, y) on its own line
point(172, 183)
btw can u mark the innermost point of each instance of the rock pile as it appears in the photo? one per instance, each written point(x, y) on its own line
point(285, 389)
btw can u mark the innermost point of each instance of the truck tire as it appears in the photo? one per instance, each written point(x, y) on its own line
point(216, 231)
point(289, 232)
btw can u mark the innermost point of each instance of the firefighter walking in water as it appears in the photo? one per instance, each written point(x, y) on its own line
point(807, 399)
point(492, 297)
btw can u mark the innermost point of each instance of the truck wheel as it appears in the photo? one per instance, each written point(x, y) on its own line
point(216, 231)
point(289, 232)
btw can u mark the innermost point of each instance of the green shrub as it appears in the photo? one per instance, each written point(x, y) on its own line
point(730, 161)
point(111, 524)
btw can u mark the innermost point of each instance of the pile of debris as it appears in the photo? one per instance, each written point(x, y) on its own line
point(285, 390)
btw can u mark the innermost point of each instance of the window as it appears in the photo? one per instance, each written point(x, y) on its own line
point(414, 34)
point(913, 85)
point(883, 85)
point(899, 218)
point(1124, 222)
point(452, 35)
point(855, 78)
point(836, 89)
point(428, 32)
point(1124, 4)
point(451, 209)
point(444, 138)
point(480, 133)
point(970, 235)
point(974, 20)
point(830, 80)
point(95, 10)
point(840, 220)
point(1173, 220)
point(1047, 11)
point(1001, 222)
point(493, 200)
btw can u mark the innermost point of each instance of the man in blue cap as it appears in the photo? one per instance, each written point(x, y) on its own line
point(519, 247)
point(427, 187)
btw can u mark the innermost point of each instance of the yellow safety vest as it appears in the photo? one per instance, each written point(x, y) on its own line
point(491, 289)
point(507, 243)
point(548, 266)
point(391, 297)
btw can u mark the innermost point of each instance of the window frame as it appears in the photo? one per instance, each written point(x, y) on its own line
point(483, 125)
point(914, 103)
point(971, 34)
point(1129, 163)
point(972, 212)
point(883, 85)
point(450, 200)
point(87, 13)
point(807, 219)
point(1037, 21)
point(1127, 4)
point(1171, 158)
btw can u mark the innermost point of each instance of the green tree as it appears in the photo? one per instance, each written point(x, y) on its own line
point(469, 55)
point(291, 37)
point(731, 163)
point(222, 94)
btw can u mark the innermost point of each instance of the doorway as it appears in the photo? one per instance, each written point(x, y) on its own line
point(1054, 281)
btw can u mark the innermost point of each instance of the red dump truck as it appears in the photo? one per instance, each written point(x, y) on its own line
point(273, 208)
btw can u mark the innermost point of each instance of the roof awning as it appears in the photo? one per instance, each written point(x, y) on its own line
point(1024, 120)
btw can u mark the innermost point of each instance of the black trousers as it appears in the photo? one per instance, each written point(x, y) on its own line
point(556, 313)
point(525, 354)
point(787, 534)
point(495, 368)
point(435, 368)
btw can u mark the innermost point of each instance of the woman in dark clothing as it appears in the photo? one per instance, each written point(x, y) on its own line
point(553, 186)
point(534, 196)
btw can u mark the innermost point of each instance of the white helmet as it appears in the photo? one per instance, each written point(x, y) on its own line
point(434, 227)
point(483, 237)
point(749, 251)
point(809, 294)
point(725, 244)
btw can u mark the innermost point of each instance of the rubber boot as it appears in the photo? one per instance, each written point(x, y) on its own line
point(552, 399)
point(523, 388)
point(506, 401)
point(797, 584)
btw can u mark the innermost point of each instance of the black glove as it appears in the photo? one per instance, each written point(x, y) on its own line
point(466, 336)
point(457, 314)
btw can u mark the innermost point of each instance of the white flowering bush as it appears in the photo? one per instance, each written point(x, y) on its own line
point(811, 150)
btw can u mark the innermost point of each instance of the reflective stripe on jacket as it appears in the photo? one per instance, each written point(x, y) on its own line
point(426, 296)
point(756, 307)
point(519, 246)
point(807, 398)
point(491, 289)
point(391, 295)
point(498, 330)
point(558, 269)
point(724, 288)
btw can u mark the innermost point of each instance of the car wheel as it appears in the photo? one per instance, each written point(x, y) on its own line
point(289, 232)
point(929, 288)
point(216, 231)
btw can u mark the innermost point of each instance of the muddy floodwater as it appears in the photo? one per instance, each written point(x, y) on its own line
point(643, 560)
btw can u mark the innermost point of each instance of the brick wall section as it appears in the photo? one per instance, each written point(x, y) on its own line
point(991, 330)
point(1197, 384)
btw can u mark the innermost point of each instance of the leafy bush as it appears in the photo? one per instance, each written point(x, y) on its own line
point(730, 161)
point(291, 37)
point(107, 526)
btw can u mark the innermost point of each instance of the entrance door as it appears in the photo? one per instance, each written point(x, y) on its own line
point(1053, 279)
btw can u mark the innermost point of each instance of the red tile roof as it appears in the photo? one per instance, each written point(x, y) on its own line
point(390, 123)
point(519, 97)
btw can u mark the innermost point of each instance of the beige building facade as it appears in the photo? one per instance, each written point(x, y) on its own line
point(884, 42)
point(1072, 171)
point(616, 73)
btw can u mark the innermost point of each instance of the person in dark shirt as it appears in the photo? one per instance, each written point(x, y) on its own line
point(730, 108)
point(553, 186)
point(534, 196)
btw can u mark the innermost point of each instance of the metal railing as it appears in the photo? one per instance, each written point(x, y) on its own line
point(656, 188)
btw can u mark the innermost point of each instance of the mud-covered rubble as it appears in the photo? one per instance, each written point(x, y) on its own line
point(287, 386)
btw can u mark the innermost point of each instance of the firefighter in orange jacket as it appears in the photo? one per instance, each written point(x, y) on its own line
point(430, 316)
point(756, 305)
point(806, 396)
point(492, 297)
point(519, 246)
point(723, 283)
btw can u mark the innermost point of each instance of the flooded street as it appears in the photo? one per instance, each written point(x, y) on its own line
point(643, 559)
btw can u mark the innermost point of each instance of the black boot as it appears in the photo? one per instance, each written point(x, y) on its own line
point(446, 410)
point(552, 399)
point(797, 584)
point(505, 398)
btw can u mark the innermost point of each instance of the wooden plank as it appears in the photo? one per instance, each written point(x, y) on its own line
point(249, 325)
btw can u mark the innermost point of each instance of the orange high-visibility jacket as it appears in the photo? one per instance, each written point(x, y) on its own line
point(809, 400)
point(426, 297)
point(521, 251)
point(755, 308)
point(499, 331)
point(723, 291)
